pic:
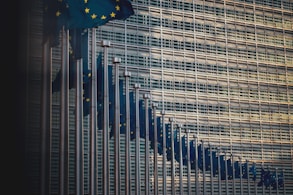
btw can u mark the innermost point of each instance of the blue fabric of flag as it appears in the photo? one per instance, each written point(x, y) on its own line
point(237, 169)
point(200, 155)
point(244, 170)
point(184, 150)
point(76, 14)
point(223, 167)
point(132, 115)
point(207, 159)
point(192, 154)
point(229, 169)
point(252, 169)
point(215, 163)
point(141, 119)
point(122, 108)
point(111, 100)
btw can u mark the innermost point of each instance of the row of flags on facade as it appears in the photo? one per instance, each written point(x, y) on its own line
point(214, 161)
point(80, 15)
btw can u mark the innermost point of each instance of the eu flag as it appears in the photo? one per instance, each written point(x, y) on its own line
point(75, 14)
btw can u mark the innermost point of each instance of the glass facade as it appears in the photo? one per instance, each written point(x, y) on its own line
point(223, 69)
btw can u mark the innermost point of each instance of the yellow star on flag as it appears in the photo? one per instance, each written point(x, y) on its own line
point(87, 10)
point(103, 17)
point(58, 13)
point(93, 16)
point(117, 7)
point(113, 15)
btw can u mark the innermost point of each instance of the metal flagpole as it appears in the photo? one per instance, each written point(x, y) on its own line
point(154, 106)
point(93, 120)
point(127, 133)
point(219, 171)
point(137, 140)
point(277, 185)
point(283, 175)
point(212, 171)
point(196, 165)
point(203, 167)
point(248, 179)
point(255, 185)
point(188, 161)
point(116, 62)
point(270, 191)
point(79, 180)
point(180, 159)
point(147, 136)
point(233, 173)
point(64, 120)
point(106, 44)
point(46, 119)
point(241, 183)
point(171, 120)
point(164, 154)
point(226, 173)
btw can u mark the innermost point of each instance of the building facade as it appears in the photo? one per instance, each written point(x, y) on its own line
point(222, 69)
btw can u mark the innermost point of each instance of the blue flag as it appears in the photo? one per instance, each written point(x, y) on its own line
point(141, 119)
point(184, 150)
point(215, 163)
point(73, 14)
point(132, 115)
point(252, 169)
point(192, 154)
point(122, 108)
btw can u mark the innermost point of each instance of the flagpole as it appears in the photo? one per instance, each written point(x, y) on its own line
point(79, 180)
point(240, 165)
point(219, 171)
point(226, 173)
point(276, 171)
point(171, 120)
point(180, 159)
point(255, 185)
point(93, 114)
point(116, 62)
point(212, 171)
point(248, 179)
point(106, 44)
point(46, 119)
point(64, 120)
point(164, 154)
point(155, 106)
point(188, 161)
point(137, 140)
point(283, 175)
point(233, 173)
point(127, 142)
point(196, 164)
point(203, 167)
point(147, 136)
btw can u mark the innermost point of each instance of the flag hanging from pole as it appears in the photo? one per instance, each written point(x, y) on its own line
point(74, 14)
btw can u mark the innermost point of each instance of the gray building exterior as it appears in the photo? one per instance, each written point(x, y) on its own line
point(222, 69)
